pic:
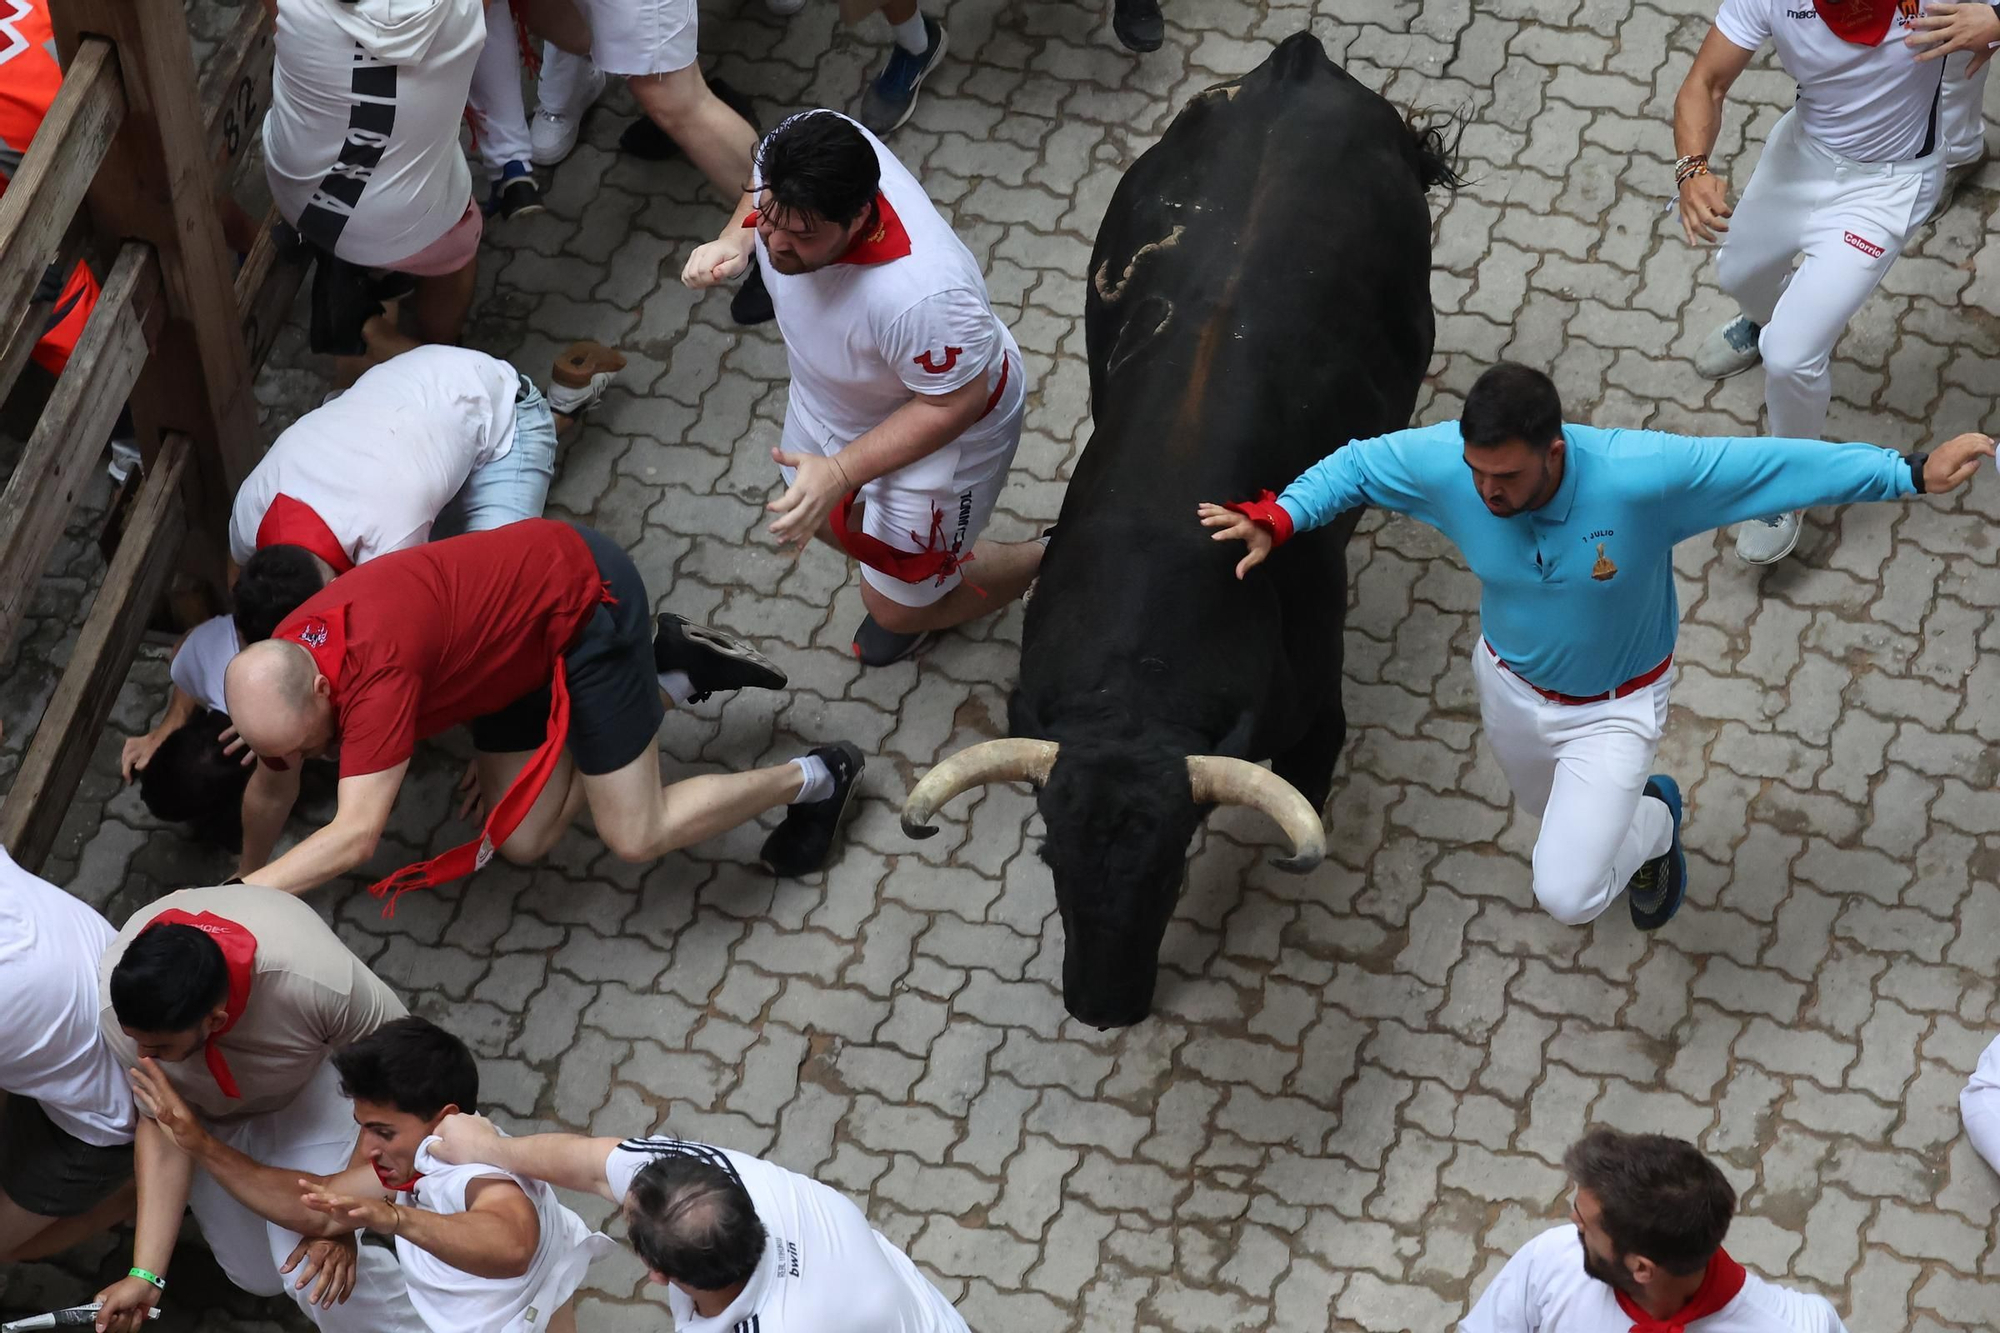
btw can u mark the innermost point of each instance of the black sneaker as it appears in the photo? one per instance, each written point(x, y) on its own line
point(712, 659)
point(803, 842)
point(877, 647)
point(1138, 24)
point(1657, 891)
point(752, 302)
point(648, 142)
point(515, 194)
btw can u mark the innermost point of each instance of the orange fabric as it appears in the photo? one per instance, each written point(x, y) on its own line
point(29, 75)
point(73, 307)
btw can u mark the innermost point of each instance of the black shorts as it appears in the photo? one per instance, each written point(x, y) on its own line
point(614, 688)
point(48, 1170)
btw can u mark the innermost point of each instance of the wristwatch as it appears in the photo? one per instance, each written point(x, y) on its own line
point(1916, 462)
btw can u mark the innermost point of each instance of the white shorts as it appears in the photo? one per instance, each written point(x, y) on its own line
point(937, 494)
point(634, 37)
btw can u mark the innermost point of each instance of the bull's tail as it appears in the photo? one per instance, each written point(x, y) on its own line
point(1436, 136)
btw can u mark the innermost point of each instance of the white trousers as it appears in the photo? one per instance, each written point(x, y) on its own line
point(1980, 1105)
point(499, 111)
point(1581, 769)
point(1962, 112)
point(314, 1135)
point(1847, 221)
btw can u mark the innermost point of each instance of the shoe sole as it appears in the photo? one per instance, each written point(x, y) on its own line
point(1743, 369)
point(910, 109)
point(924, 640)
point(1790, 546)
point(736, 650)
point(581, 362)
point(853, 752)
point(1668, 793)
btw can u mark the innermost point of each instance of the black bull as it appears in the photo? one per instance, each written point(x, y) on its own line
point(1260, 293)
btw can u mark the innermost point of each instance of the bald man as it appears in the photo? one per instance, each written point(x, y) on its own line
point(538, 634)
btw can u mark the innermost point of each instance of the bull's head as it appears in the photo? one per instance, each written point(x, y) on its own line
point(1118, 832)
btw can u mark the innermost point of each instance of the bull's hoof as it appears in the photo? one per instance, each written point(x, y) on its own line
point(1139, 24)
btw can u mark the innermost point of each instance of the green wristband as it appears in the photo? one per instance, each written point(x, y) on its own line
point(153, 1278)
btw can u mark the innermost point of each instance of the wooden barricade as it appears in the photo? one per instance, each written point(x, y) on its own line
point(133, 148)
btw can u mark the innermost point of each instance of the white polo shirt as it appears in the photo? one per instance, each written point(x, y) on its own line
point(361, 142)
point(825, 1270)
point(449, 1299)
point(50, 1047)
point(863, 339)
point(379, 463)
point(1543, 1289)
point(202, 658)
point(1869, 103)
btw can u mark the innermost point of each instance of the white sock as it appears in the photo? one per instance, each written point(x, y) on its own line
point(910, 34)
point(678, 686)
point(816, 780)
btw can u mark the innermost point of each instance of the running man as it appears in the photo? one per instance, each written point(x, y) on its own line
point(1849, 173)
point(907, 389)
point(1571, 530)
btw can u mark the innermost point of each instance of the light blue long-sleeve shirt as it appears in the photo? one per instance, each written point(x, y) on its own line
point(1578, 596)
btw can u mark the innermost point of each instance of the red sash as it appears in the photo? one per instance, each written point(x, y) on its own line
point(1718, 1288)
point(239, 956)
point(1863, 22)
point(935, 561)
point(290, 522)
point(890, 240)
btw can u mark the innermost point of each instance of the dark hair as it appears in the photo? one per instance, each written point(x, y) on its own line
point(692, 1220)
point(1512, 402)
point(819, 163)
point(411, 1064)
point(273, 583)
point(168, 980)
point(1662, 1199)
point(189, 780)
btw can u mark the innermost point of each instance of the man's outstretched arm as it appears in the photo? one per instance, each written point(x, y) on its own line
point(567, 1161)
point(362, 811)
point(1722, 481)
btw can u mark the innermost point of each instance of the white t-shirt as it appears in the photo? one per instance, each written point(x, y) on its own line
point(1543, 1289)
point(450, 1300)
point(379, 462)
point(1869, 103)
point(863, 339)
point(50, 1046)
point(825, 1269)
point(361, 142)
point(202, 658)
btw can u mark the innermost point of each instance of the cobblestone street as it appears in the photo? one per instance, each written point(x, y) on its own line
point(1352, 1102)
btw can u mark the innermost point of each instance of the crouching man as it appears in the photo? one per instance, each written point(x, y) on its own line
point(481, 1249)
point(739, 1244)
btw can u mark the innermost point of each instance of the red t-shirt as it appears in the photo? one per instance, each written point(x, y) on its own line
point(418, 641)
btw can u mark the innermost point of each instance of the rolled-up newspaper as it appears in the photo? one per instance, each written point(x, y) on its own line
point(74, 1316)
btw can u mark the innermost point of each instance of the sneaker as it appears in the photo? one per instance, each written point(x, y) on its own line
point(712, 659)
point(647, 141)
point(803, 842)
point(876, 646)
point(1138, 24)
point(1656, 892)
point(1955, 179)
point(1765, 541)
point(1730, 350)
point(752, 302)
point(893, 96)
point(552, 134)
point(515, 194)
point(581, 375)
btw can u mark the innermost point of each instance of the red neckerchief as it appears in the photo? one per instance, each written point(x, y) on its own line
point(507, 812)
point(888, 241)
point(1863, 22)
point(398, 1186)
point(1718, 1288)
point(239, 957)
point(290, 522)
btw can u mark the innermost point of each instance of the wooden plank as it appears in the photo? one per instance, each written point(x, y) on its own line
point(28, 329)
point(158, 184)
point(74, 139)
point(68, 440)
point(266, 287)
point(45, 785)
point(236, 88)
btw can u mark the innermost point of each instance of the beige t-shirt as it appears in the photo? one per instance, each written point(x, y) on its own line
point(308, 997)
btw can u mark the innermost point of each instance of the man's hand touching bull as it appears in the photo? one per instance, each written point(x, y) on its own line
point(1230, 525)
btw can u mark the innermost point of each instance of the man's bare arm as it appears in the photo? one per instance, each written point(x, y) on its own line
point(365, 803)
point(568, 1161)
point(268, 799)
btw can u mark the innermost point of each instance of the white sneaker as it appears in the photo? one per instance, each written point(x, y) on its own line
point(583, 371)
point(1730, 350)
point(1765, 541)
point(784, 8)
point(552, 134)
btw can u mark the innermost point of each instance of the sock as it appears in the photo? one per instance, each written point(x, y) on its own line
point(910, 34)
point(817, 783)
point(678, 686)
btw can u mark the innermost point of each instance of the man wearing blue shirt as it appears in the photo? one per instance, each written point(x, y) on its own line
point(1571, 531)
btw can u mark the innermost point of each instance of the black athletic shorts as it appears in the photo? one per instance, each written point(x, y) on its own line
point(614, 688)
point(48, 1170)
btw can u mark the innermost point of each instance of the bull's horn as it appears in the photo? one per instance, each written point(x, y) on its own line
point(1010, 760)
point(1222, 781)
